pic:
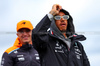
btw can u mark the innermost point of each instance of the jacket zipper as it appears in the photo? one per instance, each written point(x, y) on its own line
point(30, 58)
point(66, 53)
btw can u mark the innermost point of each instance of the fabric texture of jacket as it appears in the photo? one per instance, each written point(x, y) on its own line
point(20, 55)
point(53, 51)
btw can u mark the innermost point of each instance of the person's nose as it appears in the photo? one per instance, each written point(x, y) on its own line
point(62, 18)
point(25, 33)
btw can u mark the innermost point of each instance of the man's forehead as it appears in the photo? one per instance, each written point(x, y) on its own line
point(61, 13)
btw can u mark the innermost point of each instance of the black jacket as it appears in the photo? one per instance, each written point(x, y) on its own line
point(18, 55)
point(53, 51)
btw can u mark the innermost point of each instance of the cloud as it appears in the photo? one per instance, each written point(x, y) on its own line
point(86, 15)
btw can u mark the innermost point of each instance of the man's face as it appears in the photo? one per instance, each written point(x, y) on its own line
point(24, 35)
point(62, 23)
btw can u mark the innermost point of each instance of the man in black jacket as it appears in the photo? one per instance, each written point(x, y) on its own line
point(60, 45)
point(22, 53)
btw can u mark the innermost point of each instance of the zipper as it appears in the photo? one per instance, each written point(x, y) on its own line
point(30, 58)
point(66, 53)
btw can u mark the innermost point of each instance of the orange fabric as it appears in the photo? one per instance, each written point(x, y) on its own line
point(17, 42)
point(15, 46)
point(24, 24)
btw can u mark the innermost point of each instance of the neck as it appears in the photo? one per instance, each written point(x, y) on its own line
point(64, 35)
point(26, 43)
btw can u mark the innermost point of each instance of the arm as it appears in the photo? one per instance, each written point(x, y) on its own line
point(44, 24)
point(39, 33)
point(6, 60)
point(85, 59)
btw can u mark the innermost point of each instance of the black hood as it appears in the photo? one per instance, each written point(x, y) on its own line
point(70, 28)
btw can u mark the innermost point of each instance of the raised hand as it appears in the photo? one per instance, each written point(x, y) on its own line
point(55, 9)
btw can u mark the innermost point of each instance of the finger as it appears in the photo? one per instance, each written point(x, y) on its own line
point(54, 6)
point(57, 7)
point(60, 7)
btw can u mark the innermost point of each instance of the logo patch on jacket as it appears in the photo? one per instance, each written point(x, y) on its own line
point(21, 57)
point(15, 51)
point(58, 48)
point(37, 56)
point(78, 52)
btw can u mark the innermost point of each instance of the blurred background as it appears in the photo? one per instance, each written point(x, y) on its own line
point(85, 13)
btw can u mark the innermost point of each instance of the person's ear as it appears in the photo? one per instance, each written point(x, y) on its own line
point(17, 34)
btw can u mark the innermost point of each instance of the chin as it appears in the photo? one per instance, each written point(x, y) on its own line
point(26, 42)
point(64, 30)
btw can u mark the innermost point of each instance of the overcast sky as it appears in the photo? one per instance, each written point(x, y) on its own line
point(85, 13)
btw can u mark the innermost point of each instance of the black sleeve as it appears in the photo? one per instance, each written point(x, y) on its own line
point(85, 58)
point(43, 25)
point(40, 34)
point(6, 60)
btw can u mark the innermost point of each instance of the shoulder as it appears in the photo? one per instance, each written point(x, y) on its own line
point(79, 45)
point(11, 49)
